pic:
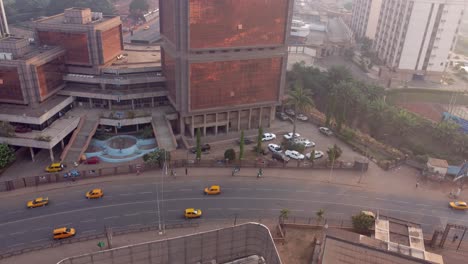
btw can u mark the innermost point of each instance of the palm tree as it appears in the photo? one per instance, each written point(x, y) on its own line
point(301, 100)
point(284, 214)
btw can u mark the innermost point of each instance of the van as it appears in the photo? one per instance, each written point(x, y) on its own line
point(280, 157)
point(54, 167)
point(64, 232)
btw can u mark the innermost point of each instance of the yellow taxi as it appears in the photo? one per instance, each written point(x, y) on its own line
point(95, 193)
point(64, 232)
point(192, 213)
point(212, 190)
point(54, 167)
point(459, 205)
point(40, 201)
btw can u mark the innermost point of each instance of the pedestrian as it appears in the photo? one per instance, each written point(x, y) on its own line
point(455, 237)
point(417, 184)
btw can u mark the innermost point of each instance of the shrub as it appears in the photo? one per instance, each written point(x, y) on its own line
point(362, 223)
point(290, 145)
point(348, 134)
point(44, 138)
point(6, 130)
point(230, 154)
point(147, 132)
point(6, 155)
point(157, 157)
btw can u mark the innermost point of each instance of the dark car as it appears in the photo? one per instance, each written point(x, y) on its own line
point(282, 116)
point(246, 141)
point(22, 129)
point(280, 157)
point(92, 160)
point(204, 148)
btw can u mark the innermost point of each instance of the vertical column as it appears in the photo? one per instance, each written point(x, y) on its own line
point(110, 104)
point(204, 125)
point(133, 104)
point(182, 125)
point(62, 144)
point(152, 101)
point(137, 127)
point(192, 129)
point(32, 154)
point(260, 117)
point(228, 120)
point(216, 124)
point(51, 152)
point(250, 116)
point(238, 120)
point(90, 102)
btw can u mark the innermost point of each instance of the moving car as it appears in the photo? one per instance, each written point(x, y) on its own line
point(95, 193)
point(282, 116)
point(192, 213)
point(302, 117)
point(22, 129)
point(290, 135)
point(290, 112)
point(280, 157)
point(64, 232)
point(212, 190)
point(317, 155)
point(54, 167)
point(204, 148)
point(326, 131)
point(268, 136)
point(459, 205)
point(294, 154)
point(40, 201)
point(304, 141)
point(246, 141)
point(92, 160)
point(274, 148)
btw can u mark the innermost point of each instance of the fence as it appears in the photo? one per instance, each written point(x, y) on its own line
point(34, 181)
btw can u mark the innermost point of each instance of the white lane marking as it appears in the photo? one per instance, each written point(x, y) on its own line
point(234, 208)
point(135, 225)
point(15, 245)
point(173, 210)
point(17, 233)
point(89, 231)
point(185, 190)
point(131, 214)
point(245, 189)
point(62, 203)
point(15, 212)
point(63, 225)
point(215, 208)
point(39, 240)
point(88, 221)
point(111, 217)
point(139, 184)
point(255, 209)
point(260, 189)
point(393, 201)
point(149, 212)
point(303, 191)
point(145, 192)
point(422, 204)
point(42, 228)
point(126, 194)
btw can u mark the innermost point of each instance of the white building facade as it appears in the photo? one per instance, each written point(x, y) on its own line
point(365, 17)
point(414, 37)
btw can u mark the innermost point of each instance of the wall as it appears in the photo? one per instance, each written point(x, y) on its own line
point(234, 83)
point(50, 76)
point(248, 23)
point(167, 19)
point(111, 43)
point(76, 45)
point(168, 64)
point(10, 86)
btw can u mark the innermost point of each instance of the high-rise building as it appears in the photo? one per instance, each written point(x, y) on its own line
point(225, 61)
point(365, 17)
point(4, 31)
point(414, 38)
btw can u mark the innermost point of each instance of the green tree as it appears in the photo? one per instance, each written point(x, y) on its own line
point(301, 100)
point(230, 154)
point(6, 130)
point(198, 146)
point(446, 130)
point(241, 146)
point(7, 155)
point(362, 223)
point(291, 145)
point(259, 148)
point(157, 157)
point(139, 7)
point(403, 122)
point(320, 215)
point(57, 6)
point(284, 214)
point(334, 153)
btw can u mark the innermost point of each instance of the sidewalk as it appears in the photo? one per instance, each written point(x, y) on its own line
point(54, 255)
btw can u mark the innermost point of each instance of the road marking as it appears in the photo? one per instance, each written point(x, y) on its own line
point(135, 225)
point(149, 212)
point(42, 228)
point(303, 191)
point(88, 221)
point(215, 208)
point(145, 192)
point(264, 189)
point(111, 217)
point(139, 184)
point(131, 214)
point(185, 190)
point(173, 210)
point(393, 201)
point(245, 189)
point(126, 194)
point(15, 212)
point(63, 225)
point(89, 231)
point(422, 204)
point(17, 233)
point(62, 203)
point(234, 208)
point(39, 240)
point(15, 245)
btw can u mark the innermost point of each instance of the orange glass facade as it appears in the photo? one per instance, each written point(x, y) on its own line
point(111, 43)
point(76, 45)
point(168, 67)
point(234, 83)
point(228, 23)
point(10, 85)
point(167, 16)
point(50, 76)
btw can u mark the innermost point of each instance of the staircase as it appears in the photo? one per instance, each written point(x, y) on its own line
point(163, 132)
point(80, 141)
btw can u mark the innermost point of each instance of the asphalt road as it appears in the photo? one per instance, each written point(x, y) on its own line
point(126, 203)
point(141, 34)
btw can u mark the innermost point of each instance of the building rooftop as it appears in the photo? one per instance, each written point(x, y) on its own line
point(15, 111)
point(137, 59)
point(437, 163)
point(59, 19)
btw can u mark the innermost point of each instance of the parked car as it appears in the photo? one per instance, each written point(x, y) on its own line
point(317, 155)
point(268, 136)
point(246, 141)
point(302, 117)
point(294, 154)
point(280, 157)
point(92, 160)
point(304, 141)
point(290, 135)
point(290, 112)
point(274, 148)
point(22, 129)
point(326, 131)
point(282, 116)
point(204, 148)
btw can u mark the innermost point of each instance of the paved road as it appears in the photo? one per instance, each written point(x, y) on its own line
point(141, 34)
point(134, 203)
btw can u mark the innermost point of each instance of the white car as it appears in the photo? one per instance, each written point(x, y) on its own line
point(302, 117)
point(304, 141)
point(268, 136)
point(317, 155)
point(290, 135)
point(274, 148)
point(294, 154)
point(290, 112)
point(325, 131)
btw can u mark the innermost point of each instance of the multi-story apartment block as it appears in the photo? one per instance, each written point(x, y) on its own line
point(414, 38)
point(365, 17)
point(225, 61)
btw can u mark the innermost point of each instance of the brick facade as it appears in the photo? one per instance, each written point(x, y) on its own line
point(76, 45)
point(111, 43)
point(10, 85)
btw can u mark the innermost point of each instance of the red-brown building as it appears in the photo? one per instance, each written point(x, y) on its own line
point(226, 70)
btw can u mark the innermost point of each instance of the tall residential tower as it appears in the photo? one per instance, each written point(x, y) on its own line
point(365, 17)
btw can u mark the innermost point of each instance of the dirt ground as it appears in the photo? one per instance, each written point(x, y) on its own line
point(298, 246)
